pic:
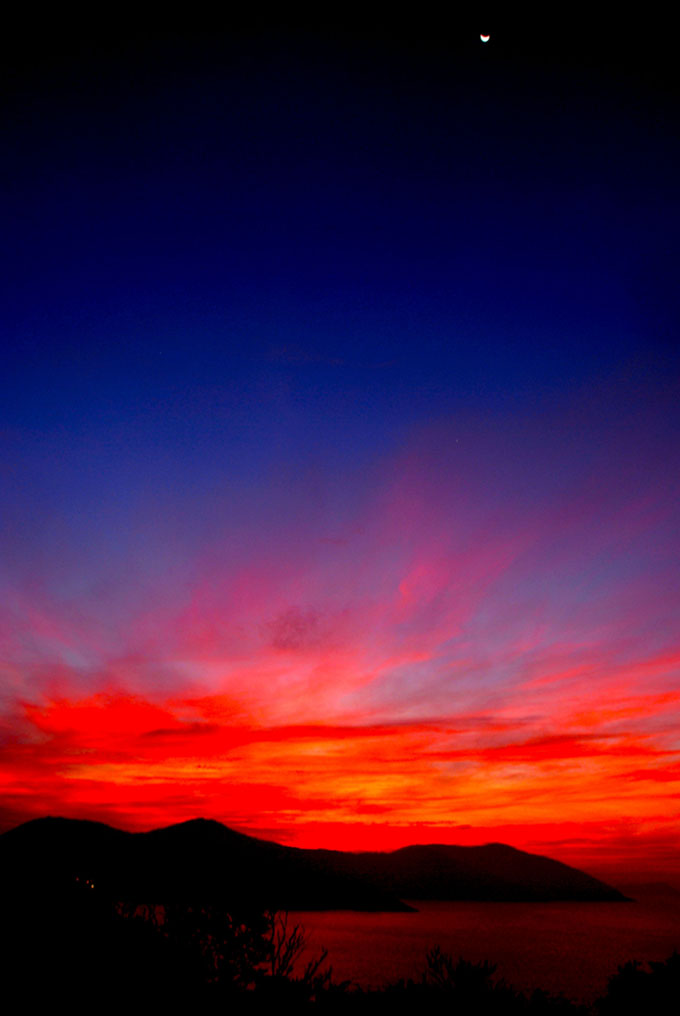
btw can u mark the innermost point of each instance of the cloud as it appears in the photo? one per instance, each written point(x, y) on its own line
point(482, 645)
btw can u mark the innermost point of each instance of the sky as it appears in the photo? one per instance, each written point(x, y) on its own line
point(339, 440)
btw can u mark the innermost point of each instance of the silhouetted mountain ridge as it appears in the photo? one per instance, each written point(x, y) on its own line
point(202, 860)
point(493, 871)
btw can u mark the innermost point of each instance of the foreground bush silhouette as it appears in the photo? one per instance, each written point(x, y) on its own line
point(219, 951)
point(234, 954)
point(447, 985)
point(634, 989)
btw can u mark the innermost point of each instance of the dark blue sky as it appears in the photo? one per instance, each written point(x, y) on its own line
point(273, 248)
point(468, 230)
point(305, 245)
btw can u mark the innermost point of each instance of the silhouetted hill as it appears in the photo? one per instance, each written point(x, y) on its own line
point(651, 890)
point(491, 872)
point(196, 861)
point(204, 861)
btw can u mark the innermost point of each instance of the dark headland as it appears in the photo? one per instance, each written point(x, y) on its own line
point(204, 861)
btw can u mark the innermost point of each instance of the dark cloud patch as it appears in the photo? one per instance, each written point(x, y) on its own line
point(190, 729)
point(296, 628)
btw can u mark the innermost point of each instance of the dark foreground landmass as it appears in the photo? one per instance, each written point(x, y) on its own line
point(193, 918)
point(204, 862)
point(75, 951)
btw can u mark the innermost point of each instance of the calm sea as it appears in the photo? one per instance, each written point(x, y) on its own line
point(563, 947)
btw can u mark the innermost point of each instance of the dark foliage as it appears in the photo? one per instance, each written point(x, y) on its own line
point(637, 989)
point(462, 987)
point(76, 947)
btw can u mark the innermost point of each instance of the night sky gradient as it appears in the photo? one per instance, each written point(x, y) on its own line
point(339, 444)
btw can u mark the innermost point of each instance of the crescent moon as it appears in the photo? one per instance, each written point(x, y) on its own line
point(485, 38)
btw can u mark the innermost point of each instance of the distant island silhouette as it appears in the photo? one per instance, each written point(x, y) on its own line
point(204, 861)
